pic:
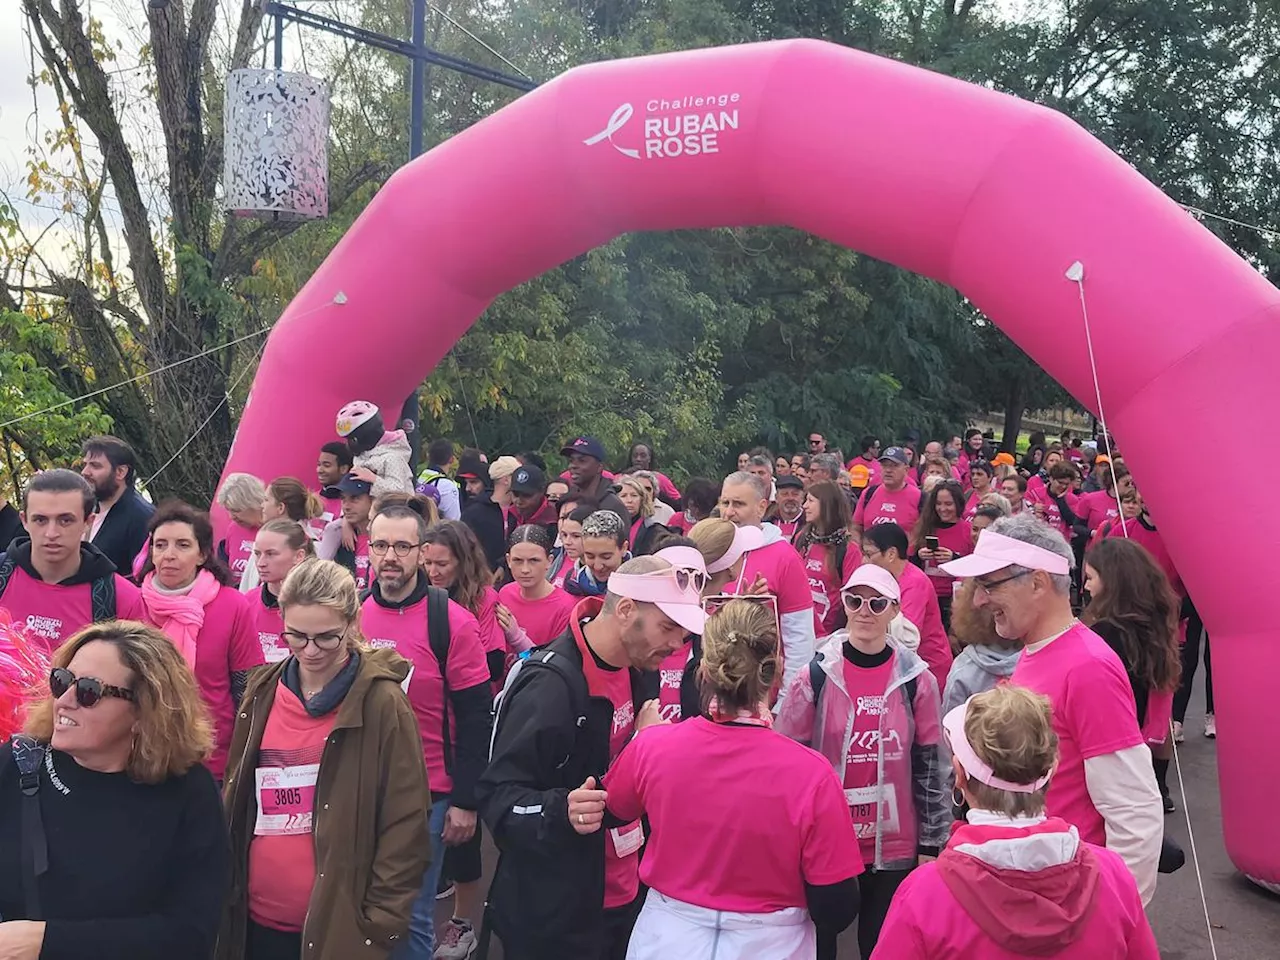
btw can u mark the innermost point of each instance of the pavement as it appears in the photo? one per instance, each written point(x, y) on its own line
point(1245, 918)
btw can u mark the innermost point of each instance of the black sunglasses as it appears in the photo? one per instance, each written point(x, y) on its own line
point(89, 690)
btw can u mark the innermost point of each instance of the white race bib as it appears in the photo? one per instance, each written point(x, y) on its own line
point(286, 800)
point(626, 840)
point(862, 807)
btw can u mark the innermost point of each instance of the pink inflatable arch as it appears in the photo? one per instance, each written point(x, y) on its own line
point(992, 195)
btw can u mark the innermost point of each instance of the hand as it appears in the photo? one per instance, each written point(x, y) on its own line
point(365, 474)
point(943, 555)
point(759, 586)
point(21, 940)
point(923, 859)
point(348, 534)
point(459, 826)
point(925, 554)
point(650, 714)
point(1038, 510)
point(505, 619)
point(586, 807)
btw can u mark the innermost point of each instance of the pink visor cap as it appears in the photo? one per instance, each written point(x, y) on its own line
point(671, 590)
point(744, 539)
point(962, 750)
point(995, 551)
point(877, 578)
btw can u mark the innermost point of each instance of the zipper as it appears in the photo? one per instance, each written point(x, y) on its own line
point(315, 827)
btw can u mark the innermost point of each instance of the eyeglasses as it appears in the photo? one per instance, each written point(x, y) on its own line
point(990, 585)
point(379, 547)
point(325, 641)
point(89, 690)
point(878, 605)
point(690, 575)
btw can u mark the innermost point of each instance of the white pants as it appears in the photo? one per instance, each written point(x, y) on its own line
point(669, 928)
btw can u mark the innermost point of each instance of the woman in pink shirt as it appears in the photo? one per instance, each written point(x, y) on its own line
point(279, 547)
point(941, 535)
point(1012, 883)
point(243, 496)
point(186, 593)
point(454, 561)
point(1134, 609)
point(829, 558)
point(531, 610)
point(738, 865)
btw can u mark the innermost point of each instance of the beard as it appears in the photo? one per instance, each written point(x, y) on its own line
point(107, 488)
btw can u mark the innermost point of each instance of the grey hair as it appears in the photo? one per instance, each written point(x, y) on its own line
point(636, 565)
point(1029, 528)
point(758, 461)
point(828, 462)
point(744, 478)
point(242, 491)
point(604, 525)
point(999, 501)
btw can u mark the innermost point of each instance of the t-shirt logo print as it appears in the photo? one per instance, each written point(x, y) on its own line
point(871, 706)
point(623, 717)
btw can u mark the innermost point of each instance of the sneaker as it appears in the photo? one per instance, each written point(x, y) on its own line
point(444, 893)
point(1168, 803)
point(1210, 727)
point(1177, 732)
point(458, 941)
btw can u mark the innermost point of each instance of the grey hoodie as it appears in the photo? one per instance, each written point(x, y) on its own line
point(978, 668)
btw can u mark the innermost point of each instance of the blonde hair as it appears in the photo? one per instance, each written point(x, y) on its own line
point(646, 499)
point(739, 656)
point(295, 537)
point(713, 537)
point(323, 583)
point(241, 491)
point(173, 731)
point(997, 500)
point(1011, 730)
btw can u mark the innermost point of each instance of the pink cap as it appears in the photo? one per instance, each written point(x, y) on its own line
point(680, 598)
point(953, 727)
point(744, 539)
point(995, 551)
point(877, 578)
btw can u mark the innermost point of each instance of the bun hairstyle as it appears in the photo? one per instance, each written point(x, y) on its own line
point(424, 507)
point(739, 657)
point(534, 533)
point(1011, 730)
point(299, 503)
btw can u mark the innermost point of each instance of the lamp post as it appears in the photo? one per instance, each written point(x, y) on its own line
point(420, 55)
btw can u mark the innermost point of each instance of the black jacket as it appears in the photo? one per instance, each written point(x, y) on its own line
point(10, 526)
point(485, 519)
point(602, 492)
point(548, 890)
point(124, 530)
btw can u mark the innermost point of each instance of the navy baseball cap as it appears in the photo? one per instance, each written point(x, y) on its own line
point(354, 486)
point(897, 455)
point(589, 446)
point(528, 479)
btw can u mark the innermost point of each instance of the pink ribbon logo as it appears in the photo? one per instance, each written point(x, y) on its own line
point(616, 123)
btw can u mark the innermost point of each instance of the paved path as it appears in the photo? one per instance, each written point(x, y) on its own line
point(1246, 919)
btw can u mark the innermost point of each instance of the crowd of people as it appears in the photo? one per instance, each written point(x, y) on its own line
point(926, 690)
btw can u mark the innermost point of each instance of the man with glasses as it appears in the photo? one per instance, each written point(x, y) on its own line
point(885, 545)
point(451, 701)
point(1104, 783)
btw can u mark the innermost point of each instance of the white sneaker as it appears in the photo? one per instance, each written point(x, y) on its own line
point(1210, 727)
point(446, 893)
point(1177, 732)
point(457, 942)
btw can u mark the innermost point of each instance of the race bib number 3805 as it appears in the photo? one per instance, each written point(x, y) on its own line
point(286, 799)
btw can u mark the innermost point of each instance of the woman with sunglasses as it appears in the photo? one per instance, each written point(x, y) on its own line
point(715, 891)
point(532, 610)
point(1013, 882)
point(326, 789)
point(126, 815)
point(872, 709)
point(279, 547)
point(823, 545)
point(186, 593)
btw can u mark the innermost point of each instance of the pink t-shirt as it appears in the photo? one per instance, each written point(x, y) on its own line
point(1096, 508)
point(783, 571)
point(239, 545)
point(889, 506)
point(867, 686)
point(713, 789)
point(824, 587)
point(788, 528)
point(1093, 715)
point(363, 573)
point(958, 538)
point(543, 620)
point(670, 680)
point(405, 631)
point(875, 471)
point(1150, 538)
point(270, 627)
point(227, 644)
point(1052, 512)
point(52, 612)
point(920, 606)
point(486, 613)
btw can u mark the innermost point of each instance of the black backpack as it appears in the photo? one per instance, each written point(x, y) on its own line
point(102, 590)
point(28, 755)
point(438, 637)
point(544, 658)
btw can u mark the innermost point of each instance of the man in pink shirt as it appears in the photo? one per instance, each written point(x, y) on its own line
point(894, 500)
point(1104, 783)
point(869, 459)
point(885, 545)
point(54, 583)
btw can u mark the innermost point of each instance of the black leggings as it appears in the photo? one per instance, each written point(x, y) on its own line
point(1190, 660)
point(267, 943)
point(875, 889)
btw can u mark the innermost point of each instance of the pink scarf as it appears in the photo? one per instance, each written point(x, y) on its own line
point(180, 615)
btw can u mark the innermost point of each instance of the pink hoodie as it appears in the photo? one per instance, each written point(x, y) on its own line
point(1005, 889)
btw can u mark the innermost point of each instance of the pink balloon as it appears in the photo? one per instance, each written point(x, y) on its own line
point(990, 194)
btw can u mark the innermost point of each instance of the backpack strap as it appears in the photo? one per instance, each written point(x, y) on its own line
point(546, 658)
point(438, 638)
point(7, 566)
point(28, 755)
point(817, 678)
point(102, 598)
